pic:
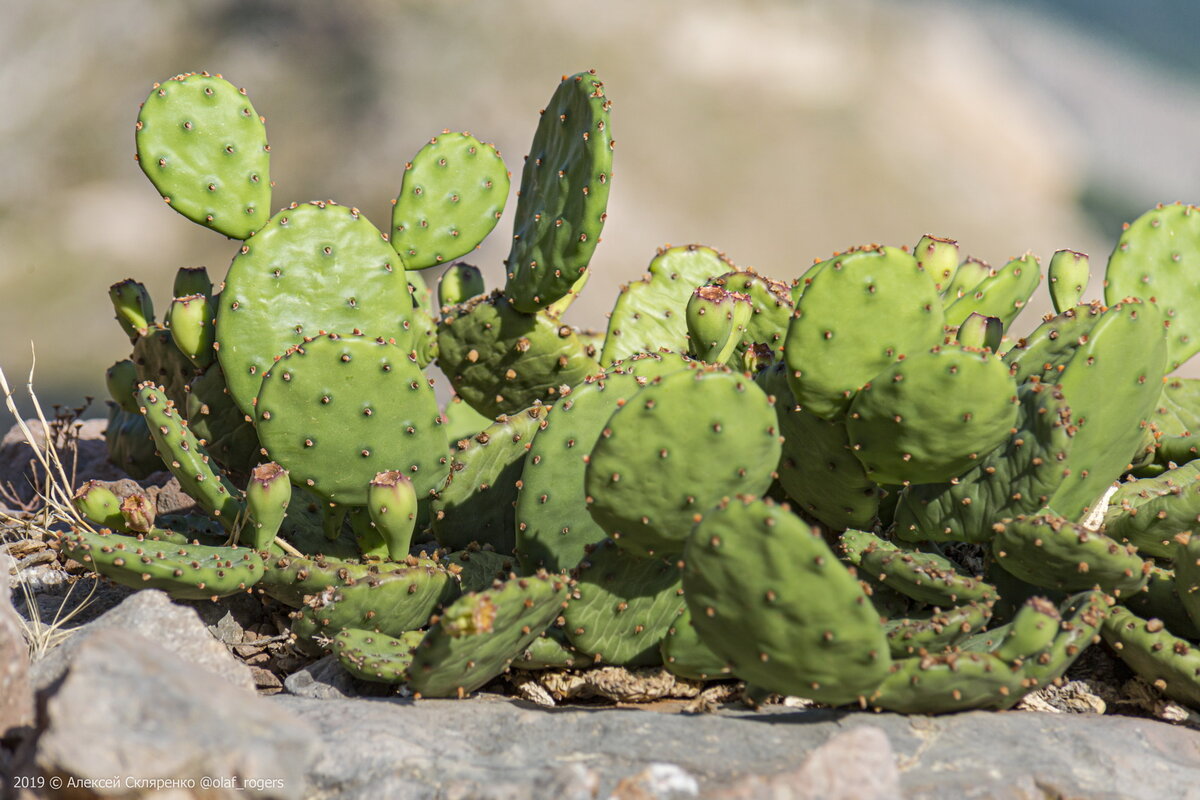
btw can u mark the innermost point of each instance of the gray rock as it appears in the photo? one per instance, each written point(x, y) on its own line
point(151, 614)
point(325, 679)
point(131, 709)
point(16, 696)
point(491, 747)
point(857, 764)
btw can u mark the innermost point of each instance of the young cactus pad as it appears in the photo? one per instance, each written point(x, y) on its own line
point(337, 411)
point(563, 200)
point(204, 148)
point(453, 194)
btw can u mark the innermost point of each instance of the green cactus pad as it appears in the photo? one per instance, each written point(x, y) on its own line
point(1019, 477)
point(501, 361)
point(553, 525)
point(187, 459)
point(862, 312)
point(388, 599)
point(336, 411)
point(1112, 384)
point(621, 606)
point(816, 468)
point(1069, 273)
point(459, 284)
point(1156, 260)
point(1176, 419)
point(1050, 551)
point(314, 268)
point(938, 257)
point(939, 684)
point(928, 577)
point(970, 273)
point(1150, 512)
point(1003, 293)
point(1081, 617)
point(191, 572)
point(648, 314)
point(563, 200)
point(646, 484)
point(717, 321)
point(204, 148)
point(374, 657)
point(935, 630)
point(478, 635)
point(453, 194)
point(1170, 664)
point(768, 595)
point(932, 416)
point(133, 306)
point(290, 579)
point(477, 503)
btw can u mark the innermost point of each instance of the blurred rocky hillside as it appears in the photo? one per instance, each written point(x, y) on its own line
point(775, 130)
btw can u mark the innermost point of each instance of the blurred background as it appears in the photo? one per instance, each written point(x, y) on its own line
point(774, 130)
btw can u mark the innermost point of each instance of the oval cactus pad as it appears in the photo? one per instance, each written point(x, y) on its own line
point(864, 310)
point(453, 194)
point(336, 411)
point(563, 200)
point(932, 416)
point(315, 268)
point(204, 148)
point(674, 451)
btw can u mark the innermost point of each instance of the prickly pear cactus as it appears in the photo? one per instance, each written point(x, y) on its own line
point(861, 312)
point(453, 194)
point(1155, 260)
point(315, 268)
point(479, 635)
point(336, 411)
point(501, 361)
point(768, 595)
point(648, 314)
point(204, 147)
point(622, 605)
point(646, 485)
point(194, 571)
point(563, 200)
point(553, 526)
point(477, 502)
point(932, 416)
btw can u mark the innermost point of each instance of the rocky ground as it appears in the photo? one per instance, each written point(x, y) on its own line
point(107, 692)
